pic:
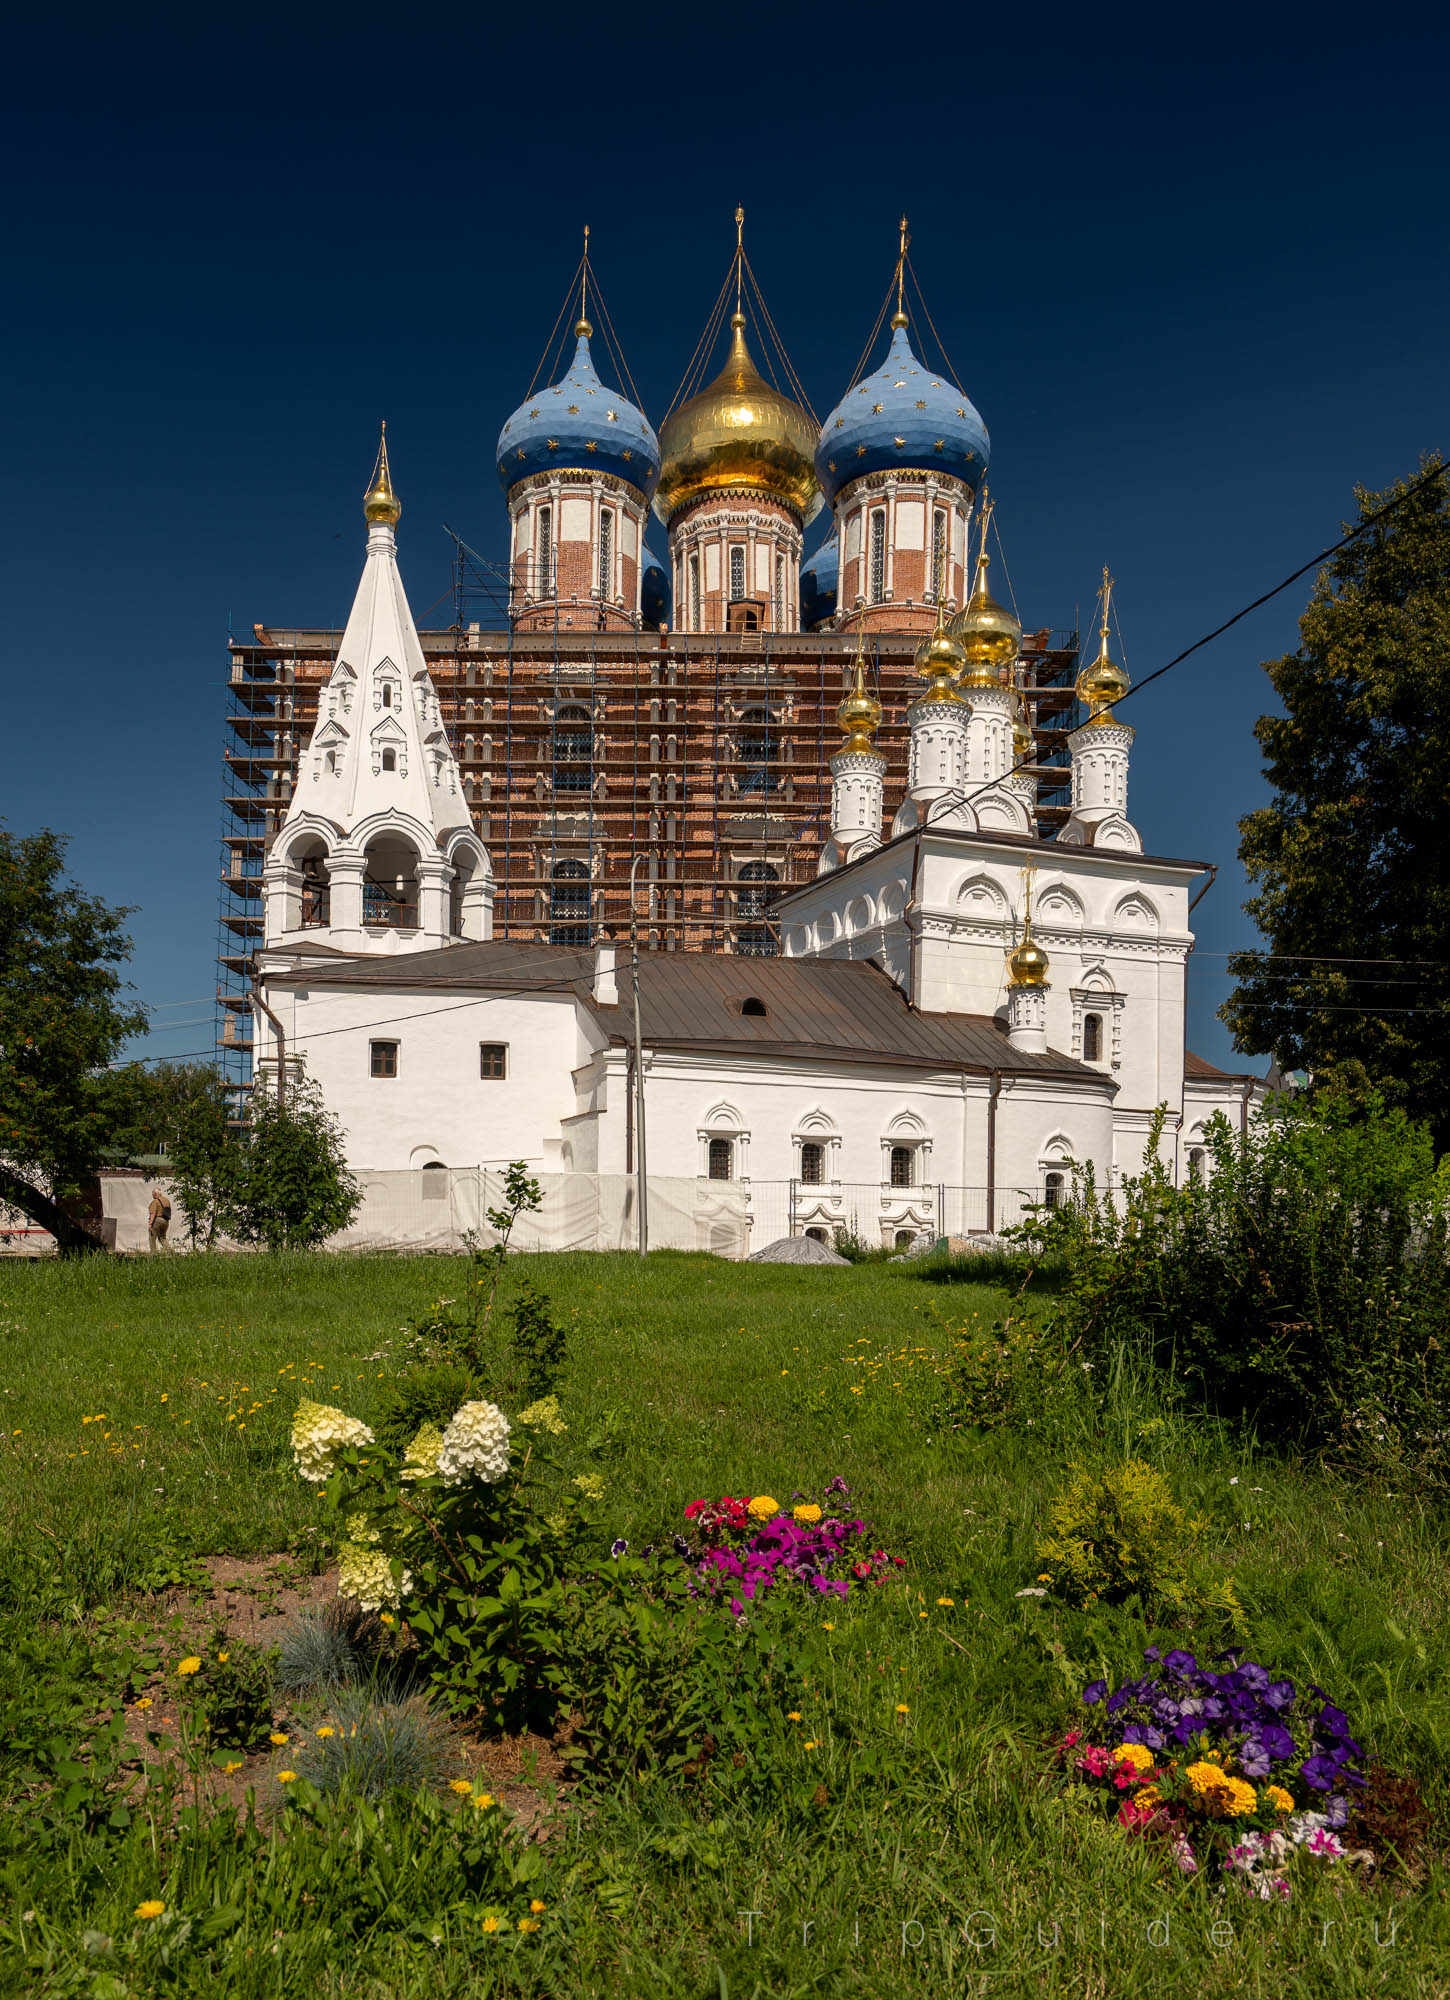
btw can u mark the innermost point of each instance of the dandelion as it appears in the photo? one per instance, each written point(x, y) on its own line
point(222, 1658)
point(537, 1906)
point(327, 1730)
point(794, 1716)
point(278, 1737)
point(462, 1786)
point(902, 1708)
point(528, 1923)
point(483, 1799)
point(235, 1765)
point(387, 1618)
point(286, 1777)
point(190, 1665)
point(812, 1745)
point(827, 1626)
point(946, 1600)
point(151, 1908)
point(143, 1704)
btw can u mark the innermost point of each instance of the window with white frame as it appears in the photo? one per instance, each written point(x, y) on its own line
point(737, 573)
point(720, 1160)
point(1054, 1188)
point(1092, 1038)
point(902, 1166)
point(938, 553)
point(606, 553)
point(877, 589)
point(694, 593)
point(544, 551)
point(813, 1162)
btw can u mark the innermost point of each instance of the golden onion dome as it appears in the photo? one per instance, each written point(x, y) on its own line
point(380, 502)
point(739, 435)
point(939, 661)
point(1027, 963)
point(860, 713)
point(991, 637)
point(1101, 683)
point(1023, 741)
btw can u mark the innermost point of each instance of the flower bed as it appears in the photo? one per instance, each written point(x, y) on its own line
point(1236, 1770)
point(745, 1546)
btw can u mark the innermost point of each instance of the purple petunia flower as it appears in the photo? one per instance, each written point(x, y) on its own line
point(1279, 1694)
point(1180, 1663)
point(1093, 1693)
point(619, 1548)
point(1320, 1772)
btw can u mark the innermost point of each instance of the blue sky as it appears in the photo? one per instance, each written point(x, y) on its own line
point(1192, 272)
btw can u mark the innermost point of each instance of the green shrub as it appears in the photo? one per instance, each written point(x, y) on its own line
point(231, 1693)
point(1120, 1534)
point(1014, 1372)
point(427, 1394)
point(1303, 1285)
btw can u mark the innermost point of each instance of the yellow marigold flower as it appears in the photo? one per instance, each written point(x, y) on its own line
point(902, 1708)
point(483, 1798)
point(537, 1907)
point(278, 1736)
point(763, 1507)
point(286, 1777)
point(1242, 1798)
point(460, 1785)
point(1136, 1754)
point(190, 1665)
point(327, 1730)
point(1147, 1798)
point(143, 1703)
point(151, 1908)
point(1278, 1798)
point(528, 1923)
point(808, 1513)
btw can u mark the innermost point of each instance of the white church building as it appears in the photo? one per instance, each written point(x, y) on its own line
point(960, 1011)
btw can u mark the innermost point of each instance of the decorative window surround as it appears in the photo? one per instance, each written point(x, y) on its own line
point(1097, 1000)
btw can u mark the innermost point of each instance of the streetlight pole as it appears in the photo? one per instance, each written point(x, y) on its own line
point(641, 1199)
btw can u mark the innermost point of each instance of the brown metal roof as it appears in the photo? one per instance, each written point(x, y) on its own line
point(832, 1008)
point(1195, 1066)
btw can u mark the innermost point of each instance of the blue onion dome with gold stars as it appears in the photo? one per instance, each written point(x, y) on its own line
point(579, 425)
point(904, 416)
point(820, 579)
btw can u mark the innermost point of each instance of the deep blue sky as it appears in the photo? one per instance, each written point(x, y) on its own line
point(1192, 270)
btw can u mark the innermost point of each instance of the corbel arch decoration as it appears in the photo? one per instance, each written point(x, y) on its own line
point(816, 1146)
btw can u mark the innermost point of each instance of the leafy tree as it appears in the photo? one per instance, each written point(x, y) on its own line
point(63, 1020)
point(146, 1106)
point(1350, 854)
point(292, 1188)
point(207, 1159)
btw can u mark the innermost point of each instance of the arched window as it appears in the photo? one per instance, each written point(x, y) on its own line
point(544, 551)
point(1054, 1187)
point(904, 1239)
point(813, 1162)
point(818, 1236)
point(878, 555)
point(315, 896)
point(722, 1159)
point(1092, 1037)
point(330, 763)
point(779, 619)
point(752, 902)
point(573, 748)
point(1197, 1163)
point(387, 692)
point(754, 1008)
point(390, 760)
point(938, 552)
point(606, 553)
point(435, 1181)
point(569, 904)
point(903, 1166)
point(390, 881)
point(694, 593)
point(737, 573)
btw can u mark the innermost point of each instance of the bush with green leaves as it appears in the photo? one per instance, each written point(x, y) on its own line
point(229, 1690)
point(1301, 1285)
point(1119, 1534)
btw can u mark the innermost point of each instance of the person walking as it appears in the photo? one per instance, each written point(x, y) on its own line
point(158, 1220)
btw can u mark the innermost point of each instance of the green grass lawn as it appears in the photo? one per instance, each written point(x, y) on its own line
point(146, 1409)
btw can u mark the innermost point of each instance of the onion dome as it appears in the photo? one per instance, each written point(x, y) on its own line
point(738, 436)
point(1027, 964)
point(902, 416)
point(939, 660)
point(860, 713)
point(380, 502)
point(579, 426)
point(654, 589)
point(1024, 743)
point(991, 637)
point(820, 578)
point(1102, 681)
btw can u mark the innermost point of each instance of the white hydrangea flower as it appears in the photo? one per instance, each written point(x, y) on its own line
point(544, 1416)
point(359, 1531)
point(367, 1575)
point(319, 1430)
point(590, 1485)
point(420, 1461)
point(475, 1445)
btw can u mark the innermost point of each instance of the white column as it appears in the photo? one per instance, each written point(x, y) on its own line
point(858, 788)
point(1027, 1018)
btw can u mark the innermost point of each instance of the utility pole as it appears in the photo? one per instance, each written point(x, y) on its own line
point(641, 1182)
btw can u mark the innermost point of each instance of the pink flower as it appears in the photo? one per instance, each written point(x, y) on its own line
point(1184, 1858)
point(1072, 1736)
point(1095, 1761)
point(1325, 1844)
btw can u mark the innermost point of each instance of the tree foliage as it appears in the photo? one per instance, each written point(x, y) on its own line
point(290, 1187)
point(1349, 855)
point(147, 1106)
point(64, 1017)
